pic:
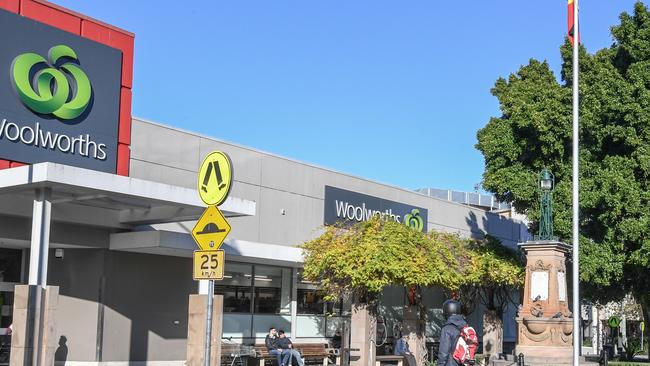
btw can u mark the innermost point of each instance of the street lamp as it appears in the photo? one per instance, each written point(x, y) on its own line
point(546, 180)
point(546, 185)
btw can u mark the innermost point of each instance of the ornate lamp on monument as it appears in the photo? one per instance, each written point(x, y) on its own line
point(544, 322)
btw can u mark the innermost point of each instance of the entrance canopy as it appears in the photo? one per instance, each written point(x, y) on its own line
point(89, 197)
point(84, 206)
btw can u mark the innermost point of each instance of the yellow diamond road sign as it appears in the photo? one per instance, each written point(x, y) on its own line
point(208, 264)
point(215, 178)
point(211, 229)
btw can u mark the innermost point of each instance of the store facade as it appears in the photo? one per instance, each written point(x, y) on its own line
point(111, 206)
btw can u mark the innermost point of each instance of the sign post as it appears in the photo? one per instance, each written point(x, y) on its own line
point(614, 322)
point(214, 182)
point(642, 331)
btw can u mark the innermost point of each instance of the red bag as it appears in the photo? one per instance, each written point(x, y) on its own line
point(466, 346)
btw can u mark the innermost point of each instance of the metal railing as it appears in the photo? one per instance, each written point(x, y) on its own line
point(468, 198)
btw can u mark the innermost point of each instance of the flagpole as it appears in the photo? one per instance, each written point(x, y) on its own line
point(576, 184)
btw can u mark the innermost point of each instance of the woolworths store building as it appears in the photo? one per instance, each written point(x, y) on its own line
point(101, 205)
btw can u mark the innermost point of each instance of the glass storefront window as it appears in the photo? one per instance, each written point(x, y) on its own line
point(236, 288)
point(258, 289)
point(272, 290)
point(310, 301)
point(10, 263)
point(267, 300)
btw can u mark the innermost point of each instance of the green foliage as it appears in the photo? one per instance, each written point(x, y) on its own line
point(632, 348)
point(496, 271)
point(371, 255)
point(363, 259)
point(534, 131)
point(494, 265)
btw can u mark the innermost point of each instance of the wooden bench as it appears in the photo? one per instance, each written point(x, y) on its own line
point(389, 358)
point(308, 351)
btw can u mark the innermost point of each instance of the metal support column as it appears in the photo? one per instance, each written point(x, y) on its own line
point(294, 303)
point(40, 244)
point(208, 324)
point(576, 189)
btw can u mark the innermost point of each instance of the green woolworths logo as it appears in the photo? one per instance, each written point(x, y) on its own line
point(49, 91)
point(413, 220)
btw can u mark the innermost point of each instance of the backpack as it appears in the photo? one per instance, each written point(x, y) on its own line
point(466, 346)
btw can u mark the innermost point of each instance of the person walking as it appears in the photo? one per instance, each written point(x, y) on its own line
point(450, 332)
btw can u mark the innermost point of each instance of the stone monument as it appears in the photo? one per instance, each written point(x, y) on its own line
point(544, 322)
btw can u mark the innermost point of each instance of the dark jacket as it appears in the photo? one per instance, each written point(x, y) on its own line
point(448, 338)
point(271, 343)
point(284, 342)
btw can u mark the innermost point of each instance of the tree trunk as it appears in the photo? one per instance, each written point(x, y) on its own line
point(414, 329)
point(492, 334)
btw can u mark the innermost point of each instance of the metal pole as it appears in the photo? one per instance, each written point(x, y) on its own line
point(208, 324)
point(40, 241)
point(576, 185)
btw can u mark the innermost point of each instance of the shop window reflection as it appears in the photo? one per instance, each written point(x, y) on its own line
point(311, 300)
point(236, 288)
point(268, 285)
point(10, 262)
point(254, 288)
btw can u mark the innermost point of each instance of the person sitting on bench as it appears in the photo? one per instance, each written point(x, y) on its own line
point(285, 343)
point(271, 342)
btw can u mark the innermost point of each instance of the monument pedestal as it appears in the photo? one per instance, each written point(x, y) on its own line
point(544, 322)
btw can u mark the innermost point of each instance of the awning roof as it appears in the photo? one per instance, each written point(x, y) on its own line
point(83, 196)
point(162, 242)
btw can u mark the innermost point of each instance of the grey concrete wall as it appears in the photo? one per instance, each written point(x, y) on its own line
point(172, 156)
point(145, 307)
point(135, 299)
point(78, 275)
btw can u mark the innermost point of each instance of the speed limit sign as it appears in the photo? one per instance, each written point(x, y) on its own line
point(208, 264)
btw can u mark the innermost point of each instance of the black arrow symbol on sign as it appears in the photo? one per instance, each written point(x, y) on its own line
point(206, 178)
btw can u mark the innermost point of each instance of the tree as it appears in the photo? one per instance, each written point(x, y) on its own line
point(496, 272)
point(534, 131)
point(363, 259)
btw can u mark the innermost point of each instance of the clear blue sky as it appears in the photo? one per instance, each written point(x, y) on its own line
point(389, 90)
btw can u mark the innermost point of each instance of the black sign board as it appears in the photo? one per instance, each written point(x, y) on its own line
point(59, 96)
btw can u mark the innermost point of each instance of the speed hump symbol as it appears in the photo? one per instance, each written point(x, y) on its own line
point(208, 264)
point(211, 229)
point(215, 178)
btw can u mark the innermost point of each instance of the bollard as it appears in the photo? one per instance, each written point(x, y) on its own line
point(520, 360)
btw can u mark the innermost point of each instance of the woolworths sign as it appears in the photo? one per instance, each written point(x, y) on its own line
point(346, 206)
point(59, 96)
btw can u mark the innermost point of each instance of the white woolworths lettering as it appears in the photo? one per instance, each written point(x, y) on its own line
point(13, 126)
point(22, 135)
point(361, 213)
point(58, 143)
point(48, 140)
